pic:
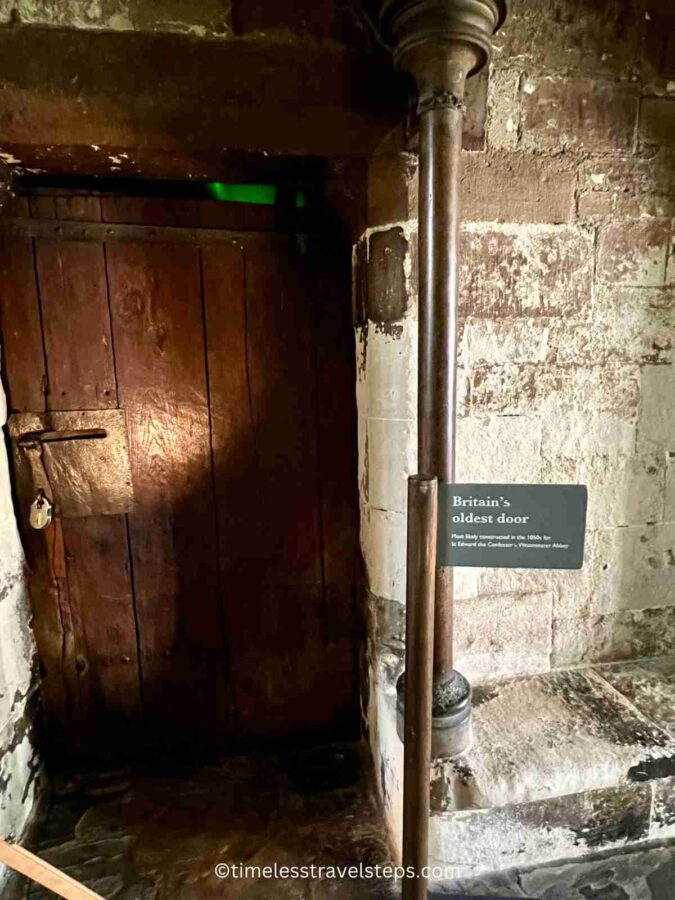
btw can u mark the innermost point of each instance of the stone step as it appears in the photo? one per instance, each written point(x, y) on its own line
point(562, 764)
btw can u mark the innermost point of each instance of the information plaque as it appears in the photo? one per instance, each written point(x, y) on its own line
point(512, 526)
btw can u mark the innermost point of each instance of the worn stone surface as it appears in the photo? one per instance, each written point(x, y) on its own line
point(387, 299)
point(525, 271)
point(644, 873)
point(157, 833)
point(627, 186)
point(503, 122)
point(634, 568)
point(19, 762)
point(495, 639)
point(517, 187)
point(657, 121)
point(210, 19)
point(498, 449)
point(389, 178)
point(572, 35)
point(547, 736)
point(587, 638)
point(528, 833)
point(656, 424)
point(634, 254)
point(392, 457)
point(560, 113)
point(649, 684)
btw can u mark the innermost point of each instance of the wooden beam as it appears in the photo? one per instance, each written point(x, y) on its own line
point(43, 873)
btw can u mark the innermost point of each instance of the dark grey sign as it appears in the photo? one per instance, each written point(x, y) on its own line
point(512, 526)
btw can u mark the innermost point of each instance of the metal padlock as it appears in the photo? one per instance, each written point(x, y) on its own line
point(41, 511)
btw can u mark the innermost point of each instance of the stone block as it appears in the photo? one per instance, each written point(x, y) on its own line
point(627, 187)
point(387, 296)
point(209, 19)
point(503, 110)
point(646, 872)
point(392, 456)
point(634, 568)
point(363, 464)
point(536, 270)
point(622, 490)
point(633, 253)
point(498, 449)
point(545, 736)
point(587, 411)
point(389, 178)
point(561, 113)
point(634, 325)
point(663, 811)
point(649, 684)
point(599, 38)
point(517, 187)
point(485, 342)
point(383, 543)
point(657, 121)
point(497, 637)
point(627, 634)
point(656, 421)
point(387, 366)
point(669, 505)
point(527, 834)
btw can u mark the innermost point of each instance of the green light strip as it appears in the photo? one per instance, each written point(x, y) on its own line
point(261, 194)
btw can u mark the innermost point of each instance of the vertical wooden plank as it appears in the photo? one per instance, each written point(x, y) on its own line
point(99, 581)
point(161, 368)
point(25, 374)
point(76, 325)
point(263, 388)
point(95, 586)
point(330, 290)
point(23, 358)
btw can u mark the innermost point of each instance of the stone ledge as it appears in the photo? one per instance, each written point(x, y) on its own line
point(563, 763)
point(551, 735)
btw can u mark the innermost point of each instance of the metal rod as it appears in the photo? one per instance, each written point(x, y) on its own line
point(440, 161)
point(421, 566)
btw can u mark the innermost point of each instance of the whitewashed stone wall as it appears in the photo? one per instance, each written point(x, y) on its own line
point(19, 763)
point(567, 339)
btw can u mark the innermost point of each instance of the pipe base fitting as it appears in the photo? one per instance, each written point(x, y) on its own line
point(451, 733)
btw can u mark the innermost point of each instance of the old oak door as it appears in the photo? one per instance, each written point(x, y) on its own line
point(221, 608)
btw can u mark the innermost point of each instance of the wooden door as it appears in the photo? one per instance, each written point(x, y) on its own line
point(222, 609)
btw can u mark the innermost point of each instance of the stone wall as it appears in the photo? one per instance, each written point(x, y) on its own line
point(19, 764)
point(566, 348)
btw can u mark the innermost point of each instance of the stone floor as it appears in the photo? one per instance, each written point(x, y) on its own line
point(641, 873)
point(158, 833)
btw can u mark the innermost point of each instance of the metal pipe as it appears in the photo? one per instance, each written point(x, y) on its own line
point(421, 567)
point(440, 161)
point(440, 43)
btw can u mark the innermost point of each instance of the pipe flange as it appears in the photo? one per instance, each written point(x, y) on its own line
point(408, 25)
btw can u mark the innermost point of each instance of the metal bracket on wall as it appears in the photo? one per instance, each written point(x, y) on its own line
point(80, 459)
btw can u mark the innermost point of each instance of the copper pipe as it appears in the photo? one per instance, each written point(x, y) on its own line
point(440, 161)
point(421, 567)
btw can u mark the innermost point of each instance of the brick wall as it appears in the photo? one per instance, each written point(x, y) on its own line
point(566, 346)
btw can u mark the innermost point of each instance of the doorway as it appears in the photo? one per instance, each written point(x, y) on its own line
point(219, 609)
